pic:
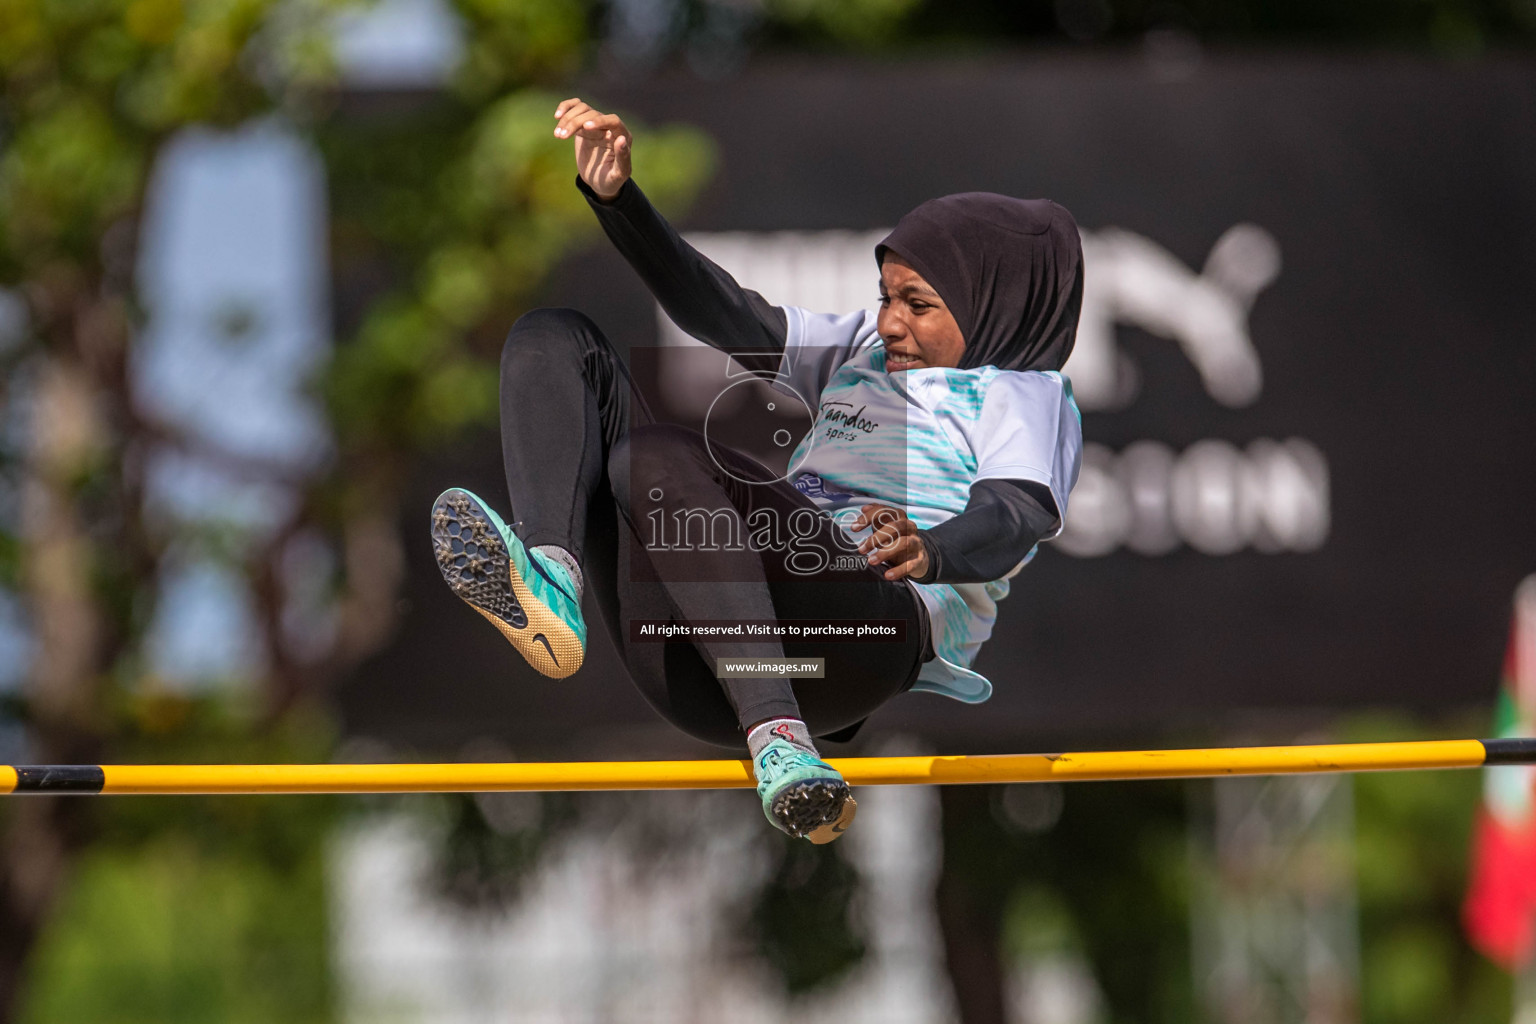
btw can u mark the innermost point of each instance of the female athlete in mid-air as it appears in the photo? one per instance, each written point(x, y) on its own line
point(944, 445)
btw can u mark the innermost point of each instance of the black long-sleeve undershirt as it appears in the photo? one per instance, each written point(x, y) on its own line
point(1003, 519)
point(696, 294)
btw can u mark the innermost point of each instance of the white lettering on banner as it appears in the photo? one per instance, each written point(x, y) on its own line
point(1216, 498)
point(1272, 496)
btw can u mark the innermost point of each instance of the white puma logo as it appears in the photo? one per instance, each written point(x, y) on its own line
point(1132, 280)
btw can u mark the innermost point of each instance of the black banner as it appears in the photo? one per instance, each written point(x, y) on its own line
point(1307, 367)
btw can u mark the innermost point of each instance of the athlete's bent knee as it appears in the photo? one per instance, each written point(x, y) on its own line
point(548, 331)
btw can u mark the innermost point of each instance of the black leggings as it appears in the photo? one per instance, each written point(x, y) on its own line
point(589, 469)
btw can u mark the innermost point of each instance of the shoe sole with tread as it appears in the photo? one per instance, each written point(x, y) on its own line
point(478, 568)
point(818, 809)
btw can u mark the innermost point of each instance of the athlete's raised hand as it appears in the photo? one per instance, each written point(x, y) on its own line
point(602, 145)
point(893, 541)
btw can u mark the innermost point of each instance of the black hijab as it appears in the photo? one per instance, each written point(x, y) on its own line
point(1010, 271)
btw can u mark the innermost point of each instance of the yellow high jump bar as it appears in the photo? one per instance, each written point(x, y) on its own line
point(187, 779)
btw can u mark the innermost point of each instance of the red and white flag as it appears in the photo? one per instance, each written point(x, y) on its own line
point(1500, 909)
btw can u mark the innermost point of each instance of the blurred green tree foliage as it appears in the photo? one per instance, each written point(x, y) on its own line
point(1096, 873)
point(1101, 874)
point(1412, 843)
point(192, 909)
point(447, 208)
point(804, 920)
point(90, 92)
point(456, 211)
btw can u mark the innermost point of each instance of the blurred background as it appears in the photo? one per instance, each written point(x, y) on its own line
point(257, 258)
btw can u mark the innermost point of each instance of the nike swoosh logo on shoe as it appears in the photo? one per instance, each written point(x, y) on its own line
point(541, 638)
point(540, 570)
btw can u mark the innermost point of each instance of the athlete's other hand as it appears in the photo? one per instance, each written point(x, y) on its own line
point(894, 541)
point(602, 145)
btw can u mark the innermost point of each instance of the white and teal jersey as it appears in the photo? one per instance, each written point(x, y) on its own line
point(918, 440)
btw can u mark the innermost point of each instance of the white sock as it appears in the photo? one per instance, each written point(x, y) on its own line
point(567, 560)
point(791, 729)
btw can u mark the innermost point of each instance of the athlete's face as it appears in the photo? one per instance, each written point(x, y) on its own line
point(917, 327)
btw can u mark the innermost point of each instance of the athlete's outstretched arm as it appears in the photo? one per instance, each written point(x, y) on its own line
point(701, 298)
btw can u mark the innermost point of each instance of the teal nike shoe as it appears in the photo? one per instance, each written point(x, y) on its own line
point(801, 793)
point(530, 598)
